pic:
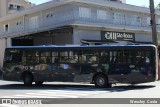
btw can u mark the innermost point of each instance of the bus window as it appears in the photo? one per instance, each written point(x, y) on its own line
point(89, 57)
point(104, 57)
point(13, 56)
point(69, 57)
point(32, 57)
point(73, 56)
point(45, 57)
point(147, 58)
point(140, 57)
point(64, 57)
point(112, 56)
point(128, 57)
point(55, 58)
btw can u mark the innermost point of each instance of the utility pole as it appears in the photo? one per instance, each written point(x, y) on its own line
point(153, 23)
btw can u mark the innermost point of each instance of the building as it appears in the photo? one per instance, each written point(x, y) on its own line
point(12, 6)
point(62, 22)
point(121, 1)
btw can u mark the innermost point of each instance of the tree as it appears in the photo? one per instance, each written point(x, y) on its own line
point(158, 6)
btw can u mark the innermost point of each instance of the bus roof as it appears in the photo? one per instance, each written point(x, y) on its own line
point(76, 46)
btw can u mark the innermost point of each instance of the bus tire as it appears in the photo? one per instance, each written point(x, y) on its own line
point(27, 79)
point(101, 81)
point(38, 83)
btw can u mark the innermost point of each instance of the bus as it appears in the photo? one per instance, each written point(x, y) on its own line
point(101, 65)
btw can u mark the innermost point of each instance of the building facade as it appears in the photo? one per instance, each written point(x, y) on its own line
point(61, 22)
point(12, 6)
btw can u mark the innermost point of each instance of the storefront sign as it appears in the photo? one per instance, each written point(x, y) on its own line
point(117, 36)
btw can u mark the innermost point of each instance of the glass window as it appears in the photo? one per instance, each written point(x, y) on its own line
point(142, 57)
point(6, 28)
point(55, 58)
point(32, 57)
point(11, 6)
point(84, 12)
point(119, 18)
point(101, 14)
point(33, 22)
point(89, 56)
point(45, 57)
point(104, 58)
point(13, 56)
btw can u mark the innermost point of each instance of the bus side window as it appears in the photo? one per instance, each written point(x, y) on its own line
point(55, 57)
point(32, 57)
point(13, 56)
point(45, 57)
point(104, 57)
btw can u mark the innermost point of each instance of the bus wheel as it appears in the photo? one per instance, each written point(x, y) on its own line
point(101, 81)
point(39, 82)
point(27, 80)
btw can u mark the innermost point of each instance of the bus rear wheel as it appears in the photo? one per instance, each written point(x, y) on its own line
point(28, 80)
point(38, 83)
point(101, 81)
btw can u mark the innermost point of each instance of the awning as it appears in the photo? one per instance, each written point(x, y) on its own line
point(84, 41)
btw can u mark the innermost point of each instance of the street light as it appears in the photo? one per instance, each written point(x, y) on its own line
point(153, 23)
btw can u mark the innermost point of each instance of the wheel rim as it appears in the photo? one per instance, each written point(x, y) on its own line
point(100, 81)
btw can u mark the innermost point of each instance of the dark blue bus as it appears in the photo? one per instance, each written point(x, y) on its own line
point(100, 65)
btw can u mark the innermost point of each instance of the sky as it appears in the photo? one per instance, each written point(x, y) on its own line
point(144, 3)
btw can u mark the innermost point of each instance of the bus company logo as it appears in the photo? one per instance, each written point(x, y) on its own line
point(6, 101)
point(122, 36)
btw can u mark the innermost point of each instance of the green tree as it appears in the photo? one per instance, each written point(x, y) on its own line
point(158, 7)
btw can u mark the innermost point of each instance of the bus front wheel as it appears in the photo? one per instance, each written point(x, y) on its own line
point(27, 80)
point(101, 81)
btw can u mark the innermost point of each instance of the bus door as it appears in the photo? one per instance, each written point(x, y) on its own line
point(89, 62)
point(117, 63)
point(12, 64)
point(142, 62)
point(66, 64)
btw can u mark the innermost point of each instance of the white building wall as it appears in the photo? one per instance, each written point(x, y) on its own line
point(87, 34)
point(70, 14)
point(2, 48)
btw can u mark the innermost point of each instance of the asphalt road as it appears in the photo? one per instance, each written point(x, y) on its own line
point(74, 93)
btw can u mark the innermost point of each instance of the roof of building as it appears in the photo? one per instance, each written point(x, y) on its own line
point(100, 3)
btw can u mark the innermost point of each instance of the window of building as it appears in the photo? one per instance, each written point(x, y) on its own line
point(84, 12)
point(101, 14)
point(136, 20)
point(34, 22)
point(11, 6)
point(6, 28)
point(18, 7)
point(49, 15)
point(14, 7)
point(148, 21)
point(18, 23)
point(119, 18)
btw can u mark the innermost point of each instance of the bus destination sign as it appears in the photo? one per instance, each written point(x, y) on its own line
point(117, 36)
